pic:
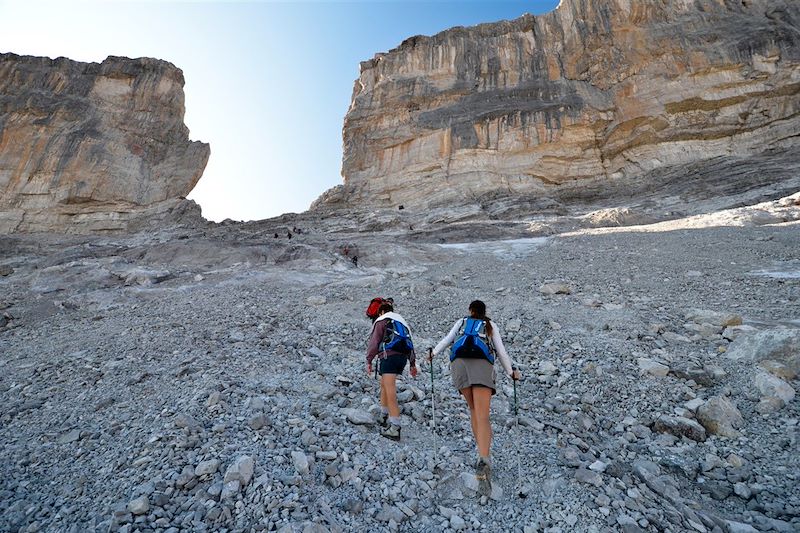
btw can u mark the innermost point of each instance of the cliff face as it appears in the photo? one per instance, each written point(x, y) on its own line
point(597, 91)
point(89, 147)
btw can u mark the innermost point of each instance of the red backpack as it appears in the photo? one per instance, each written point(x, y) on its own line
point(374, 305)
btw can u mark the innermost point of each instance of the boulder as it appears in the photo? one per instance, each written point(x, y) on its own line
point(240, 470)
point(719, 416)
point(653, 368)
point(780, 345)
point(714, 318)
point(680, 427)
point(774, 387)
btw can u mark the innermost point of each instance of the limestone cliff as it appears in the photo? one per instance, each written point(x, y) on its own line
point(606, 93)
point(90, 147)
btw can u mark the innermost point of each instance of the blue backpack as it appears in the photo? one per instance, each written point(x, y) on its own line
point(473, 343)
point(397, 337)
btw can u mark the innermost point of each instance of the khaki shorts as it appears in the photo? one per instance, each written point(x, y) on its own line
point(472, 372)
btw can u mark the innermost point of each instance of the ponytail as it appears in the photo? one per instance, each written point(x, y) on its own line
point(477, 309)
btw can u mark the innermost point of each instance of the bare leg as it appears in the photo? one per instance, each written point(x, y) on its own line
point(481, 399)
point(389, 389)
point(467, 393)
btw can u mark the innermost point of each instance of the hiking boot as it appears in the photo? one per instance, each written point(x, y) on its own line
point(483, 469)
point(391, 432)
point(383, 419)
point(483, 473)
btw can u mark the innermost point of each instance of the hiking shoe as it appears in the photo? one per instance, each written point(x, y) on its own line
point(391, 432)
point(483, 470)
point(383, 419)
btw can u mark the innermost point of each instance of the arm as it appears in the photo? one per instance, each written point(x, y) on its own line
point(500, 350)
point(378, 331)
point(448, 339)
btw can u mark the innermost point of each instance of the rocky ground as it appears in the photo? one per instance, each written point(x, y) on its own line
point(211, 379)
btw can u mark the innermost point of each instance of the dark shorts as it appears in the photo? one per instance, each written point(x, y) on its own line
point(394, 364)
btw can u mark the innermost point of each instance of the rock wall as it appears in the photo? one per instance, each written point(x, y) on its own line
point(600, 92)
point(91, 147)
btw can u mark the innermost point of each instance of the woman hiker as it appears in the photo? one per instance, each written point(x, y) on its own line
point(390, 341)
point(476, 340)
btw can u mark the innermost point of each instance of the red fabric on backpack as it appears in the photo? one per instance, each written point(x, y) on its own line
point(372, 309)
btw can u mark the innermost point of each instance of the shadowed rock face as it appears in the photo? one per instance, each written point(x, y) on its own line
point(597, 92)
point(88, 147)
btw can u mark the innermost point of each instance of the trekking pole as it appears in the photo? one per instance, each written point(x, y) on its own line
point(433, 410)
point(520, 493)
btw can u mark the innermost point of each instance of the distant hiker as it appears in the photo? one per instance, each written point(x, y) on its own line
point(346, 251)
point(289, 234)
point(390, 341)
point(476, 340)
point(355, 260)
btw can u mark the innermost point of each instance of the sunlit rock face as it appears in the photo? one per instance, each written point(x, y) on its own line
point(90, 147)
point(596, 94)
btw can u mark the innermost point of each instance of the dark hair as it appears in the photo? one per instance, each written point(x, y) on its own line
point(385, 307)
point(477, 309)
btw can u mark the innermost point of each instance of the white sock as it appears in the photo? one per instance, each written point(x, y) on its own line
point(394, 420)
point(384, 410)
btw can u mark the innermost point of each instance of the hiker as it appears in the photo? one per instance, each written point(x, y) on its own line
point(374, 307)
point(476, 340)
point(355, 260)
point(390, 341)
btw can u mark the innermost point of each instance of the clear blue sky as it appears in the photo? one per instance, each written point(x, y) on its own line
point(267, 83)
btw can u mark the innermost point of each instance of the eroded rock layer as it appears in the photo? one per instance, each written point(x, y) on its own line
point(91, 147)
point(597, 92)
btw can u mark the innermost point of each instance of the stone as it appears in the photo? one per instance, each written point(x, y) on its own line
point(183, 420)
point(257, 421)
point(777, 369)
point(733, 332)
point(300, 462)
point(714, 318)
point(589, 477)
point(358, 417)
point(329, 455)
point(205, 468)
point(738, 527)
point(769, 404)
point(508, 109)
point(551, 289)
point(70, 436)
point(771, 386)
point(742, 490)
point(230, 489)
point(547, 368)
point(680, 427)
point(653, 368)
point(780, 345)
point(598, 466)
point(693, 404)
point(139, 506)
point(240, 470)
point(93, 164)
point(457, 523)
point(719, 416)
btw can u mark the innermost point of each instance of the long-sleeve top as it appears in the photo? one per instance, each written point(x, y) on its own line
point(497, 343)
point(377, 335)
